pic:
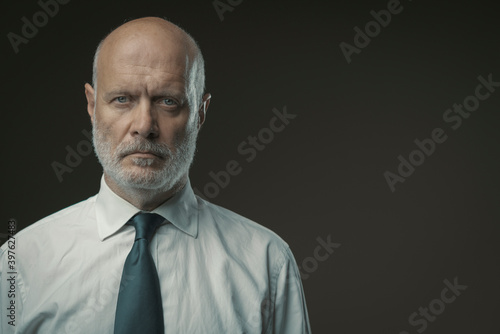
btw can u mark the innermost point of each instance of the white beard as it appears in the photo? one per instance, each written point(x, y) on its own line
point(142, 175)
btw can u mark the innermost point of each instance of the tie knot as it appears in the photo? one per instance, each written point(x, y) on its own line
point(145, 225)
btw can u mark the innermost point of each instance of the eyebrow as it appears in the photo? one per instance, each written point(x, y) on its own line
point(107, 96)
point(121, 92)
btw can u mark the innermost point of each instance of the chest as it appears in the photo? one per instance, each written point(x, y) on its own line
point(204, 287)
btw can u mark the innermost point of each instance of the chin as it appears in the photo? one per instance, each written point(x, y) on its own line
point(148, 178)
point(155, 163)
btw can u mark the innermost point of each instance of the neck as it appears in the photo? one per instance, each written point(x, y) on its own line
point(145, 199)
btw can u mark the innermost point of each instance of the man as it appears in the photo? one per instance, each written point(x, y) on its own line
point(145, 255)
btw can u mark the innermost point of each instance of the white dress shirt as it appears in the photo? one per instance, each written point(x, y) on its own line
point(219, 272)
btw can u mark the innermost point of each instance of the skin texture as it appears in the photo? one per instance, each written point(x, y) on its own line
point(142, 73)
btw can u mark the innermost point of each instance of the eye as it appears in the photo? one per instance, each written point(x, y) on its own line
point(121, 99)
point(168, 102)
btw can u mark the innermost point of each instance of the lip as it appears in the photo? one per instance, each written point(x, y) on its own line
point(146, 155)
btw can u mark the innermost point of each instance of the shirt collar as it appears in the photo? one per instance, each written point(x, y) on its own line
point(113, 212)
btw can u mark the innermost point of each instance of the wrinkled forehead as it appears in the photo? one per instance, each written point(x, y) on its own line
point(151, 50)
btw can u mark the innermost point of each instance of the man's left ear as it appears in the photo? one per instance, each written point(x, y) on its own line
point(202, 112)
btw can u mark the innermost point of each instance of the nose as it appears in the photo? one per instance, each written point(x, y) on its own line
point(144, 121)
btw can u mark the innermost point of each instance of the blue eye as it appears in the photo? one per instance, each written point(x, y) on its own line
point(121, 99)
point(168, 102)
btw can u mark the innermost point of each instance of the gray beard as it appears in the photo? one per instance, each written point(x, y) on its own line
point(175, 165)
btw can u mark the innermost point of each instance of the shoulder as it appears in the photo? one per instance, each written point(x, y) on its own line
point(58, 220)
point(241, 231)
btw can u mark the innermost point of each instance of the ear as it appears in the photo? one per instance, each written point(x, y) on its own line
point(89, 93)
point(202, 112)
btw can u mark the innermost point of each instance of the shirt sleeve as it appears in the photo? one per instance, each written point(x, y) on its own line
point(290, 310)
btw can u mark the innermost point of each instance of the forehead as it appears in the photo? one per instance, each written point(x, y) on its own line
point(151, 54)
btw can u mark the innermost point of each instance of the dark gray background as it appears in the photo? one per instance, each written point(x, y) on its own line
point(321, 176)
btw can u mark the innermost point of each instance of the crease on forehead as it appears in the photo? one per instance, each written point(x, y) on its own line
point(141, 62)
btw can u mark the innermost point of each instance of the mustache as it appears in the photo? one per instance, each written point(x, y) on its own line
point(161, 150)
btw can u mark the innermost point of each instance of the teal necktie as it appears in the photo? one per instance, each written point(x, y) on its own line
point(139, 309)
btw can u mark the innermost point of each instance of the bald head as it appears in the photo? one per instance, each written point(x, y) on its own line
point(159, 43)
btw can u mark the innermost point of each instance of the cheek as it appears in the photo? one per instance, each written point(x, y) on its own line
point(174, 130)
point(112, 130)
point(104, 137)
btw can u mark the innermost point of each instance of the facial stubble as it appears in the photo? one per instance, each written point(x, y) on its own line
point(174, 164)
